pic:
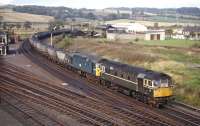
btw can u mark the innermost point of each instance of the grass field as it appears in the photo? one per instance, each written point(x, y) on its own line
point(23, 17)
point(180, 63)
point(151, 23)
point(172, 43)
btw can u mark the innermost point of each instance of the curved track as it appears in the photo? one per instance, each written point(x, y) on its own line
point(188, 115)
point(132, 112)
point(97, 106)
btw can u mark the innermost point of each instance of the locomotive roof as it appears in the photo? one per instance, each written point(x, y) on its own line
point(93, 58)
point(2, 33)
point(140, 72)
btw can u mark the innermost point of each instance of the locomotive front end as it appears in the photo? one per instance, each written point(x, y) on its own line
point(163, 90)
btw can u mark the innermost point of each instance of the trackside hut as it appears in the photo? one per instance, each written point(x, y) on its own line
point(155, 35)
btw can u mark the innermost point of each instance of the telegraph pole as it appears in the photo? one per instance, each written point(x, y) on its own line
point(52, 35)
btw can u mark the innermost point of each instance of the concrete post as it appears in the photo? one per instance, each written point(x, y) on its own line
point(196, 35)
point(6, 41)
point(5, 50)
point(51, 39)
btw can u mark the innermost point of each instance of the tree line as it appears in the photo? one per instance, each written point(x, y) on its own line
point(63, 13)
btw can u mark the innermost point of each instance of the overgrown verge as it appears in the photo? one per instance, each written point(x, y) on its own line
point(181, 64)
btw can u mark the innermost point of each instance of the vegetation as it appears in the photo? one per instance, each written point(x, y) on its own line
point(152, 14)
point(189, 11)
point(65, 43)
point(151, 22)
point(196, 45)
point(171, 43)
point(178, 60)
point(27, 25)
point(23, 17)
point(61, 41)
point(55, 24)
point(60, 13)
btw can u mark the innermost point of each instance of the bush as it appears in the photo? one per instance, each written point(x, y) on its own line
point(196, 45)
point(66, 42)
point(136, 39)
point(130, 42)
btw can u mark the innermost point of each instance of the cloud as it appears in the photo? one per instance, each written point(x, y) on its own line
point(4, 2)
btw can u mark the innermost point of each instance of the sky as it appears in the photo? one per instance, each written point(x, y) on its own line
point(100, 4)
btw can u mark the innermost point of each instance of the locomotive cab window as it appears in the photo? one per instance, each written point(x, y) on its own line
point(150, 83)
point(145, 82)
point(103, 68)
point(107, 71)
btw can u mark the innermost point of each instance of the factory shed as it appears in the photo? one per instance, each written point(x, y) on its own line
point(134, 31)
point(155, 35)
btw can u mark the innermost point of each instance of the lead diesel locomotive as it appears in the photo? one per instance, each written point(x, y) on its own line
point(145, 85)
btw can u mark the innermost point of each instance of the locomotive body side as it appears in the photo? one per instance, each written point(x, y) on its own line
point(146, 85)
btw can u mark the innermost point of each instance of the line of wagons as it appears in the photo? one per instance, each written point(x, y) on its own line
point(148, 86)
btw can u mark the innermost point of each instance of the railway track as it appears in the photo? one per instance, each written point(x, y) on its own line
point(25, 87)
point(91, 103)
point(30, 115)
point(151, 117)
point(197, 110)
point(97, 106)
point(184, 117)
point(186, 114)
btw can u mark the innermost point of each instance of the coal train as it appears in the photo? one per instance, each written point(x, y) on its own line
point(148, 86)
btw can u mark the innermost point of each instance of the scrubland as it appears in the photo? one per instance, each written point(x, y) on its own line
point(179, 59)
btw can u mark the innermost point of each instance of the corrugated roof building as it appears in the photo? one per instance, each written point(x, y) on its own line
point(134, 31)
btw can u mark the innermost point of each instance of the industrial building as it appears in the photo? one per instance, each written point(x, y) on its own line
point(132, 31)
point(155, 35)
point(3, 43)
point(192, 33)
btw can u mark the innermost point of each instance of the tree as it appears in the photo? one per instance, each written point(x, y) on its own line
point(5, 25)
point(91, 16)
point(112, 16)
point(118, 13)
point(18, 26)
point(125, 16)
point(1, 19)
point(27, 25)
point(169, 33)
point(56, 24)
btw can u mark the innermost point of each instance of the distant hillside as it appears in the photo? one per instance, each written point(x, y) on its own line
point(182, 15)
point(193, 11)
point(189, 11)
point(12, 16)
point(57, 12)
